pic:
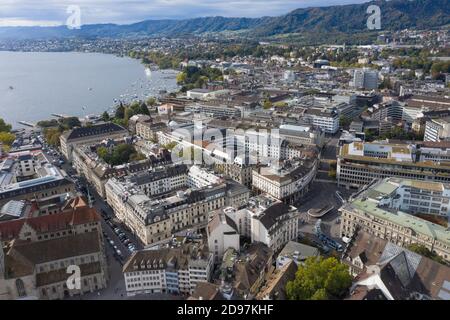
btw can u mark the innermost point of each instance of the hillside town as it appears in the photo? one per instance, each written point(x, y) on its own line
point(261, 171)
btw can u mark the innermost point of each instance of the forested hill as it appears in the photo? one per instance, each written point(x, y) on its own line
point(395, 15)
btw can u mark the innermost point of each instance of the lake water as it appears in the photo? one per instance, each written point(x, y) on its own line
point(33, 85)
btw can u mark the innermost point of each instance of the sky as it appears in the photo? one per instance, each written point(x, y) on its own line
point(54, 12)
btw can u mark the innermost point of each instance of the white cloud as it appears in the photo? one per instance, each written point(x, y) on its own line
point(127, 11)
point(20, 22)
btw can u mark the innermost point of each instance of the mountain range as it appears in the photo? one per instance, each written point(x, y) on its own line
point(395, 15)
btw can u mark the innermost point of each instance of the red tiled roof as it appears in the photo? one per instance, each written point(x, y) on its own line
point(80, 215)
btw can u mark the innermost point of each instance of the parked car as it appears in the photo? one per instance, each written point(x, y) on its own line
point(111, 242)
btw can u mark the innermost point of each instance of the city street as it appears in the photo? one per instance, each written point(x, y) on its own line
point(320, 195)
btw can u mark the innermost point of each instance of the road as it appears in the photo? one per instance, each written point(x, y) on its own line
point(320, 195)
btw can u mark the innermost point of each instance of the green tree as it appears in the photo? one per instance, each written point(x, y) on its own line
point(181, 77)
point(120, 111)
point(281, 104)
point(105, 116)
point(70, 122)
point(102, 152)
point(151, 101)
point(52, 136)
point(267, 104)
point(319, 279)
point(143, 109)
point(7, 138)
point(128, 113)
point(170, 145)
point(4, 127)
point(424, 251)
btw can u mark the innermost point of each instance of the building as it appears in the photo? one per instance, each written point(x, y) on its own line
point(148, 130)
point(359, 163)
point(366, 79)
point(287, 182)
point(167, 270)
point(215, 111)
point(47, 183)
point(201, 177)
point(160, 180)
point(222, 234)
point(237, 171)
point(385, 271)
point(415, 196)
point(295, 252)
point(36, 252)
point(90, 135)
point(437, 129)
point(237, 194)
point(266, 220)
point(244, 274)
point(275, 287)
point(302, 134)
point(97, 172)
point(326, 119)
point(154, 220)
point(370, 210)
point(138, 118)
point(206, 291)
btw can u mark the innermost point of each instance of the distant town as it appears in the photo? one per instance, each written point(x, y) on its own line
point(278, 171)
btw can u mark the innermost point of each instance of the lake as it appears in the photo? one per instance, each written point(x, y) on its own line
point(34, 85)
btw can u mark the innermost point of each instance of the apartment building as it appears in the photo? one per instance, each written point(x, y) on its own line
point(437, 129)
point(288, 181)
point(237, 171)
point(360, 163)
point(160, 180)
point(199, 177)
point(168, 270)
point(155, 220)
point(148, 130)
point(371, 211)
point(244, 274)
point(87, 163)
point(326, 119)
point(222, 233)
point(266, 220)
